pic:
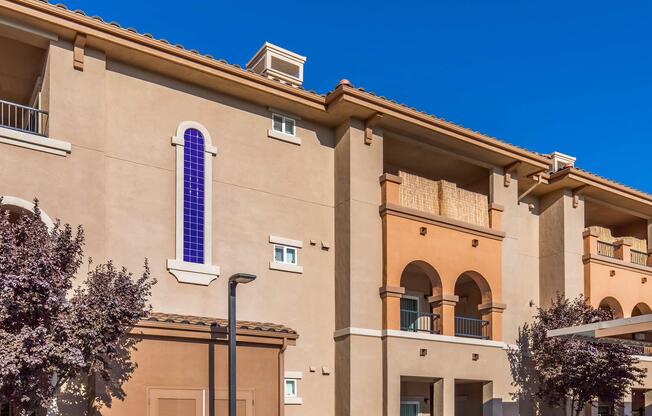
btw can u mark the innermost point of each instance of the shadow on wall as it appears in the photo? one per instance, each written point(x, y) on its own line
point(524, 378)
point(77, 395)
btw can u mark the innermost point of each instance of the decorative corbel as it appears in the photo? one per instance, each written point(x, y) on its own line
point(369, 127)
point(78, 52)
point(576, 195)
point(508, 171)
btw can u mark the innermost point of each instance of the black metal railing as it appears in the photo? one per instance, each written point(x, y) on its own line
point(419, 321)
point(471, 328)
point(638, 257)
point(23, 118)
point(606, 249)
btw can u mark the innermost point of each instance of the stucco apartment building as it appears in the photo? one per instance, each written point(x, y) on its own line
point(396, 253)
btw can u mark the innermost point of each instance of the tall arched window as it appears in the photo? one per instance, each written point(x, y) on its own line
point(194, 152)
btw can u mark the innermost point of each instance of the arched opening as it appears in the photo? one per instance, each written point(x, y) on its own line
point(18, 207)
point(472, 291)
point(420, 281)
point(641, 309)
point(613, 306)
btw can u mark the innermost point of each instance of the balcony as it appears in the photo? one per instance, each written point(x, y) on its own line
point(471, 328)
point(628, 249)
point(22, 118)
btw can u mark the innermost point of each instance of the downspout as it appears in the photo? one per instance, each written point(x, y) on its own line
point(281, 375)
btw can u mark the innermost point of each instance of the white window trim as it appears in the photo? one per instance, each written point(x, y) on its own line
point(283, 137)
point(285, 249)
point(285, 267)
point(415, 298)
point(284, 118)
point(12, 201)
point(34, 142)
point(186, 272)
point(294, 376)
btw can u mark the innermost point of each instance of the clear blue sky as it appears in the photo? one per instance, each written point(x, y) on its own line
point(571, 76)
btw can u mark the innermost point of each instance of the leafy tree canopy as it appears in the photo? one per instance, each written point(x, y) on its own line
point(52, 333)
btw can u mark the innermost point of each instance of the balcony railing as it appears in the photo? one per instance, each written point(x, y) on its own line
point(414, 321)
point(471, 328)
point(638, 257)
point(606, 249)
point(23, 118)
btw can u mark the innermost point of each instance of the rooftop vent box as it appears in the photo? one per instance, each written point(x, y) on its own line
point(560, 161)
point(277, 63)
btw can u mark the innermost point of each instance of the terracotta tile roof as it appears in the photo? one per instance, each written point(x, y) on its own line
point(220, 323)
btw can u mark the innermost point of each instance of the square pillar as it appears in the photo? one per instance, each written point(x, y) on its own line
point(493, 312)
point(444, 397)
point(491, 406)
point(444, 306)
point(648, 403)
point(623, 249)
point(391, 296)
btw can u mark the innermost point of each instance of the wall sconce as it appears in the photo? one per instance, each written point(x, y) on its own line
point(475, 357)
point(423, 231)
point(423, 352)
point(475, 242)
point(612, 273)
point(643, 279)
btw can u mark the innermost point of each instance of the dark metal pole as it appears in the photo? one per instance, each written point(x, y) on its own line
point(232, 384)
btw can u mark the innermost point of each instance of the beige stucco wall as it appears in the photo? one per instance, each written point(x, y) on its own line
point(119, 183)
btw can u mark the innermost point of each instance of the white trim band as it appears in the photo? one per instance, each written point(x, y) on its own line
point(34, 142)
point(285, 267)
point(283, 137)
point(285, 241)
point(392, 333)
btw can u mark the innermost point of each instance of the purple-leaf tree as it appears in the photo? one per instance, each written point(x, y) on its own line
point(570, 373)
point(53, 335)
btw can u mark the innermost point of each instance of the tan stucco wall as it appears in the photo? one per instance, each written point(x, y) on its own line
point(178, 364)
point(118, 182)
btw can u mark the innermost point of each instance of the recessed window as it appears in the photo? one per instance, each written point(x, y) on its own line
point(283, 124)
point(290, 387)
point(285, 254)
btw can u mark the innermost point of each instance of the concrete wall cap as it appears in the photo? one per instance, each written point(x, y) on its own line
point(391, 290)
point(496, 207)
point(444, 298)
point(388, 177)
point(497, 306)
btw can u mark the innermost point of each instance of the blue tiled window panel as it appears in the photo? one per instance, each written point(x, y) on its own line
point(193, 196)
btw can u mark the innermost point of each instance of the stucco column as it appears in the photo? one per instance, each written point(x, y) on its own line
point(391, 296)
point(444, 306)
point(623, 249)
point(493, 312)
point(648, 403)
point(444, 397)
point(491, 406)
point(627, 404)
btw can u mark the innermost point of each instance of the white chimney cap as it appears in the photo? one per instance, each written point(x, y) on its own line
point(278, 63)
point(561, 160)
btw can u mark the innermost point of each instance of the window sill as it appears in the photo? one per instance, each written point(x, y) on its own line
point(293, 400)
point(34, 142)
point(197, 274)
point(283, 137)
point(285, 267)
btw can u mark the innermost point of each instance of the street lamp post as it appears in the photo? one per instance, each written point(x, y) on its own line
point(233, 282)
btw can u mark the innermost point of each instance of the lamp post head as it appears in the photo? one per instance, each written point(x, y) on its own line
point(242, 278)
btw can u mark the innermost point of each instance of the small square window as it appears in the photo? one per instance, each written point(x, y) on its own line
point(285, 254)
point(283, 124)
point(290, 387)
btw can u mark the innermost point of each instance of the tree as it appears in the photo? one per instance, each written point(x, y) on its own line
point(571, 372)
point(52, 334)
